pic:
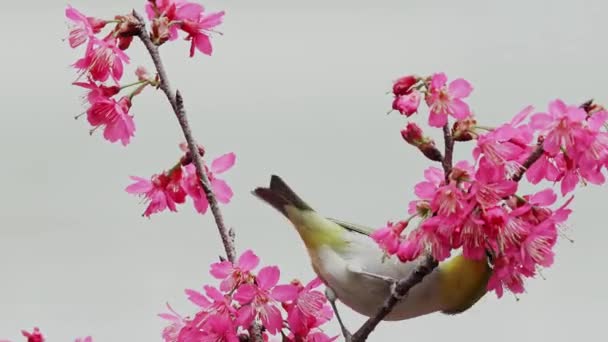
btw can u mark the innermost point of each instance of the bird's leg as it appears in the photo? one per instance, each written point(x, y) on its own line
point(331, 297)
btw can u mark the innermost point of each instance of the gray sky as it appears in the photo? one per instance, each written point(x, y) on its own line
point(297, 90)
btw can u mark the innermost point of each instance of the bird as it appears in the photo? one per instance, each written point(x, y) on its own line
point(356, 271)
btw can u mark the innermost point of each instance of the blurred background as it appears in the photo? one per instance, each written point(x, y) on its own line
point(293, 88)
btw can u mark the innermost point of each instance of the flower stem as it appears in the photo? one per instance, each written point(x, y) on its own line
point(177, 103)
point(132, 84)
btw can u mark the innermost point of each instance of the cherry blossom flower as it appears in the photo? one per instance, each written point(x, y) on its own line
point(234, 275)
point(261, 300)
point(403, 85)
point(308, 310)
point(445, 100)
point(176, 322)
point(34, 336)
point(198, 29)
point(103, 60)
point(220, 188)
point(114, 117)
point(407, 104)
point(389, 237)
point(163, 191)
point(561, 124)
point(83, 28)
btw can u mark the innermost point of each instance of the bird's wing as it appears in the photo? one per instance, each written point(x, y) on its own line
point(357, 228)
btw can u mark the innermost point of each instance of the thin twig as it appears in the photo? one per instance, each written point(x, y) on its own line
point(177, 103)
point(449, 151)
point(399, 291)
point(534, 156)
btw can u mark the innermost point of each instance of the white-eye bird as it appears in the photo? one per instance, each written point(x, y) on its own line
point(354, 267)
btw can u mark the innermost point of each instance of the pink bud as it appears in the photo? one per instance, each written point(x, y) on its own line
point(124, 42)
point(463, 129)
point(128, 26)
point(403, 85)
point(408, 250)
point(412, 134)
point(142, 73)
point(96, 24)
point(160, 30)
point(407, 104)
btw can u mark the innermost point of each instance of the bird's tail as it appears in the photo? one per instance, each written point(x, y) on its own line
point(279, 195)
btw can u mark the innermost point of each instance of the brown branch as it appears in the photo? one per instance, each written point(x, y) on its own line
point(398, 292)
point(177, 103)
point(401, 289)
point(532, 158)
point(449, 151)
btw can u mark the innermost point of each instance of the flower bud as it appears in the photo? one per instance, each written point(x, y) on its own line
point(463, 129)
point(124, 42)
point(142, 73)
point(96, 24)
point(412, 134)
point(160, 30)
point(407, 104)
point(128, 26)
point(403, 86)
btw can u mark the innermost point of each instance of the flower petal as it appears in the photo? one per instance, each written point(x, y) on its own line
point(245, 293)
point(268, 277)
point(284, 293)
point(460, 88)
point(221, 270)
point(460, 110)
point(223, 162)
point(221, 189)
point(248, 261)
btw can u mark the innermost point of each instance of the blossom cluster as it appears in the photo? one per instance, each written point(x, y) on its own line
point(244, 297)
point(167, 189)
point(36, 336)
point(476, 206)
point(103, 63)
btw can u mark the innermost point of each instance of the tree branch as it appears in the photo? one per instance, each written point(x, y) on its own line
point(398, 292)
point(177, 103)
point(401, 289)
point(534, 156)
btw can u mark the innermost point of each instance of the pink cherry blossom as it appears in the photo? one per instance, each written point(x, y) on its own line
point(220, 188)
point(403, 85)
point(34, 336)
point(261, 300)
point(426, 190)
point(491, 185)
point(429, 237)
point(308, 310)
point(407, 104)
point(561, 124)
point(543, 168)
point(217, 328)
point(97, 91)
point(176, 323)
point(389, 237)
point(163, 191)
point(447, 100)
point(103, 60)
point(83, 28)
point(198, 29)
point(234, 275)
point(114, 117)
